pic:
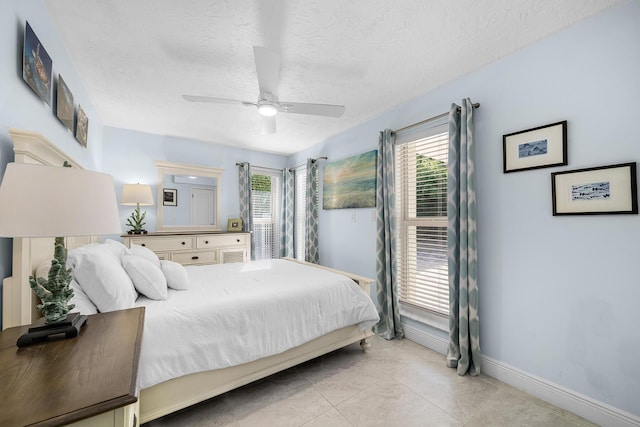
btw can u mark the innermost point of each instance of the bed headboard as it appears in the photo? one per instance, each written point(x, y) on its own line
point(18, 300)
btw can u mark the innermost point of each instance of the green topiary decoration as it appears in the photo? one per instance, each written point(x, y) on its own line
point(55, 292)
point(136, 222)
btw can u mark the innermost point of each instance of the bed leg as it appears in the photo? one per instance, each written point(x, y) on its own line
point(365, 344)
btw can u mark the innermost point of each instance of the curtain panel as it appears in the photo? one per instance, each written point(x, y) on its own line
point(288, 212)
point(244, 180)
point(464, 324)
point(386, 264)
point(311, 214)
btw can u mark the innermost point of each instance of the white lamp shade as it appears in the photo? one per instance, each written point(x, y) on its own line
point(52, 201)
point(136, 194)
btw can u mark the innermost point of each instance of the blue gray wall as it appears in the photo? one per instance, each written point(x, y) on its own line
point(129, 156)
point(558, 295)
point(21, 108)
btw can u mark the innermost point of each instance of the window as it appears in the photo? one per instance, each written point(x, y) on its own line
point(421, 203)
point(266, 198)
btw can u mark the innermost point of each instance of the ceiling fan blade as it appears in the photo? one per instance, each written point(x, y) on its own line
point(314, 109)
point(267, 68)
point(268, 125)
point(195, 98)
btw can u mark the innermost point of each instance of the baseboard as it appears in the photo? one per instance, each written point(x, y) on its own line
point(586, 407)
point(425, 339)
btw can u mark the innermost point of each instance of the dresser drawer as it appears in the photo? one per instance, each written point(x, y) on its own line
point(199, 257)
point(222, 240)
point(174, 243)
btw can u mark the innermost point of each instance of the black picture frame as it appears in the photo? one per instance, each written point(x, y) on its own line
point(64, 104)
point(37, 65)
point(82, 127)
point(602, 190)
point(169, 197)
point(535, 148)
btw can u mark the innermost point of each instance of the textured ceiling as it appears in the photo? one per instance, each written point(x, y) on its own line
point(136, 58)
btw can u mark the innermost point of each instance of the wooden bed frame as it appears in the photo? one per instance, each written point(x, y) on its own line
point(19, 303)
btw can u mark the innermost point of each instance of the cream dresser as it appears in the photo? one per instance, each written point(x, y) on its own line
point(195, 247)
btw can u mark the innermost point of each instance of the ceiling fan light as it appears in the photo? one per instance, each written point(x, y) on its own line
point(267, 110)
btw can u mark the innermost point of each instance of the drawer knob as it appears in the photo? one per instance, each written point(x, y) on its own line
point(195, 257)
point(184, 243)
point(238, 240)
point(143, 244)
point(206, 242)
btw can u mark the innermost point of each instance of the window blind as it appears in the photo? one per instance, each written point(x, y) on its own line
point(421, 203)
point(266, 198)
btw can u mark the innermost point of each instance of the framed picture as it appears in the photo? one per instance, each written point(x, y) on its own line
point(234, 224)
point(595, 191)
point(351, 182)
point(540, 147)
point(64, 104)
point(82, 127)
point(36, 65)
point(169, 197)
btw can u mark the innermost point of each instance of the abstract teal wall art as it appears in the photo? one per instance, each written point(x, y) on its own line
point(351, 182)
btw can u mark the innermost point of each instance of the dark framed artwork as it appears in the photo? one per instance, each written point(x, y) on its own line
point(169, 197)
point(82, 127)
point(351, 182)
point(595, 191)
point(540, 147)
point(64, 104)
point(37, 65)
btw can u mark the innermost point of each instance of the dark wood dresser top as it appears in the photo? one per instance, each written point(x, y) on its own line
point(58, 382)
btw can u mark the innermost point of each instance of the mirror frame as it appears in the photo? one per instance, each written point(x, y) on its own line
point(172, 168)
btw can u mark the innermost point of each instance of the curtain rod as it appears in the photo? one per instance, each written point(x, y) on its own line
point(260, 167)
point(476, 105)
point(313, 160)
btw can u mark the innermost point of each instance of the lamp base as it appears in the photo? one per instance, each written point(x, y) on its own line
point(137, 232)
point(41, 331)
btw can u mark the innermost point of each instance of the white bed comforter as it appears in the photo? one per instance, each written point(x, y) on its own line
point(237, 313)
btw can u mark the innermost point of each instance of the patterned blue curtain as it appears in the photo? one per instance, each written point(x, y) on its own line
point(311, 214)
point(386, 265)
point(244, 180)
point(288, 207)
point(464, 325)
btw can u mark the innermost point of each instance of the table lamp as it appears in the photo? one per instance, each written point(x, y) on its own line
point(51, 201)
point(136, 195)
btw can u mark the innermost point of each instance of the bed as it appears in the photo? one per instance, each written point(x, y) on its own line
point(164, 390)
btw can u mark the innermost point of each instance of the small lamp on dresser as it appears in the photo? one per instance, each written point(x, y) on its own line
point(136, 195)
point(51, 201)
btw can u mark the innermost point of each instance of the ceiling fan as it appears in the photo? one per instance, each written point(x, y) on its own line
point(268, 104)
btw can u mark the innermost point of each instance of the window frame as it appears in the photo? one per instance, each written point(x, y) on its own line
point(407, 218)
point(275, 211)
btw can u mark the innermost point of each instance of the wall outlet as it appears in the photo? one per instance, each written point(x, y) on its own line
point(353, 216)
point(373, 216)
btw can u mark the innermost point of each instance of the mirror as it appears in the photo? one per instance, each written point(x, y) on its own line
point(189, 197)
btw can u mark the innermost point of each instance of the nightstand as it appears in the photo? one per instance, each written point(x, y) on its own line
point(89, 379)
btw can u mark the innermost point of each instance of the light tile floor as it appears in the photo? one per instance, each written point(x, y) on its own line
point(395, 383)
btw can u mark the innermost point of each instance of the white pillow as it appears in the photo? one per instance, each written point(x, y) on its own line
point(81, 300)
point(176, 274)
point(103, 279)
point(118, 249)
point(146, 253)
point(146, 277)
